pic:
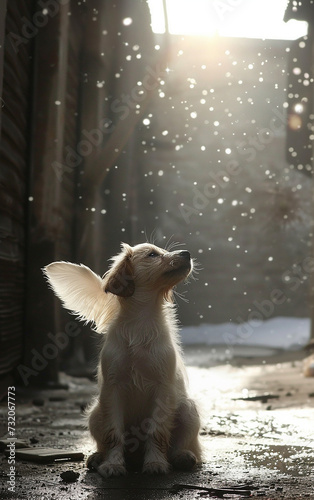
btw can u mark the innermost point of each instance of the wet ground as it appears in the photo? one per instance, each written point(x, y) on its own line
point(257, 433)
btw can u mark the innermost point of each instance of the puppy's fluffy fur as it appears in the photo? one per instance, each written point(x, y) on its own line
point(143, 403)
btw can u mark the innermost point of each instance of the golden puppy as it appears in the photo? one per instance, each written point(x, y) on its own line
point(143, 403)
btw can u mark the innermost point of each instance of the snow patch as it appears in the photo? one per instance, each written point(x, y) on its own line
point(280, 333)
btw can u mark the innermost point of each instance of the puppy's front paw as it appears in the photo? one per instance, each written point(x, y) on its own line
point(185, 460)
point(108, 469)
point(156, 468)
point(94, 460)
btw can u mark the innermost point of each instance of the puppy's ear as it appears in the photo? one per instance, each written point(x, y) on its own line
point(78, 287)
point(127, 250)
point(119, 279)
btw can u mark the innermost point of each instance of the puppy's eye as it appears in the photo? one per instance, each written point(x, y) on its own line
point(153, 254)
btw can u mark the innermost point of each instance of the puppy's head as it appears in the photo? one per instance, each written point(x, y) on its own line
point(147, 267)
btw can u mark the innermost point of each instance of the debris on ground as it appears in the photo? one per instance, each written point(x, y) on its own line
point(69, 476)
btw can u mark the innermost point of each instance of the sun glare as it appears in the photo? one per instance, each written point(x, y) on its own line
point(227, 18)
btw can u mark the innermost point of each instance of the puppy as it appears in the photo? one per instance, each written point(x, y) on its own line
point(143, 405)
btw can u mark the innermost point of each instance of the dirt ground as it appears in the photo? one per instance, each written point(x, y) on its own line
point(257, 433)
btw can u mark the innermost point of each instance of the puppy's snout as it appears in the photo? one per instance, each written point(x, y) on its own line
point(185, 253)
point(180, 259)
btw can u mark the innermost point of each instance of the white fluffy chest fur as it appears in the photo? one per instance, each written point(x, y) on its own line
point(130, 363)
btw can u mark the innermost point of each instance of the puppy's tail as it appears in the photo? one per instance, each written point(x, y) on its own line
point(81, 291)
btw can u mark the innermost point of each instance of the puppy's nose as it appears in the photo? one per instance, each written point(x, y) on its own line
point(186, 254)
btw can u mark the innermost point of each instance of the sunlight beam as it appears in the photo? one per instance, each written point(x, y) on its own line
point(226, 18)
